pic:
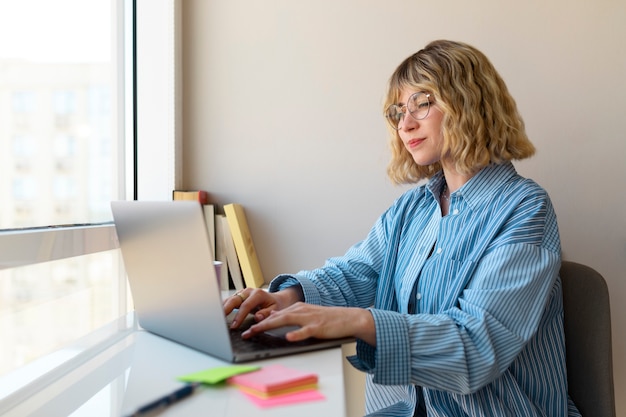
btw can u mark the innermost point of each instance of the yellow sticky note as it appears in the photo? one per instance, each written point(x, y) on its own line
point(218, 374)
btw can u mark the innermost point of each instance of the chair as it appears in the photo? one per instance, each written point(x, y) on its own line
point(587, 326)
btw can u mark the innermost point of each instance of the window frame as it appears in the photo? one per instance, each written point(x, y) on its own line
point(151, 160)
point(30, 246)
point(152, 146)
point(27, 246)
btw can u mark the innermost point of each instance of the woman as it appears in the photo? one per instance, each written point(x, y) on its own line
point(454, 295)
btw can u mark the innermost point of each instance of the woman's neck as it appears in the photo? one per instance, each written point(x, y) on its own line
point(455, 180)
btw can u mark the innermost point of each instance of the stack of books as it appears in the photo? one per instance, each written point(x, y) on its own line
point(276, 385)
point(231, 241)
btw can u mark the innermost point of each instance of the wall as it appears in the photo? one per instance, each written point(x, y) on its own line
point(282, 114)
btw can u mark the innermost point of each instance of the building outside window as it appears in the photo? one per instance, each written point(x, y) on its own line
point(63, 81)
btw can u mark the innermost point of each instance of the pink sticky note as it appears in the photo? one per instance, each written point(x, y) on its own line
point(296, 397)
point(274, 378)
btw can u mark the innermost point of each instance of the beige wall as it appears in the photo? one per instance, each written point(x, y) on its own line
point(282, 114)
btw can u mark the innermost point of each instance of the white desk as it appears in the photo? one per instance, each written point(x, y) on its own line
point(131, 367)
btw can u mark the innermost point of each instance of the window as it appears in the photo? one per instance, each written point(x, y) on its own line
point(68, 83)
point(65, 279)
point(66, 111)
point(64, 102)
point(23, 102)
point(23, 146)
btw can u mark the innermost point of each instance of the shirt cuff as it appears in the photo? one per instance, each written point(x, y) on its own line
point(389, 361)
point(365, 358)
point(309, 290)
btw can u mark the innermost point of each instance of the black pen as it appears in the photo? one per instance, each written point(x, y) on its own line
point(166, 400)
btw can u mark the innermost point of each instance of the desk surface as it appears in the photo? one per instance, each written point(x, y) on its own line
point(137, 367)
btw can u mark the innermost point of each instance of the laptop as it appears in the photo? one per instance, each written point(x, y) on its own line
point(175, 289)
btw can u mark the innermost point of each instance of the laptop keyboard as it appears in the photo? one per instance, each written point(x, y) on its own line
point(261, 341)
point(255, 344)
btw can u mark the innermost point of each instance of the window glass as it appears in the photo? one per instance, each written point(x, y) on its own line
point(43, 307)
point(62, 126)
point(59, 100)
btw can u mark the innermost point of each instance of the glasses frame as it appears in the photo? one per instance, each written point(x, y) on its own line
point(403, 110)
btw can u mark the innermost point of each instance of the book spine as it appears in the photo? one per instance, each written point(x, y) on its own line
point(209, 220)
point(231, 255)
point(200, 196)
point(248, 259)
point(220, 251)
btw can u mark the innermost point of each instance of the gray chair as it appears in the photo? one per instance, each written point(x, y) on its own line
point(588, 340)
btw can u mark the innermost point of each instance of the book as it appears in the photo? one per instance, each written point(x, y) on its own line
point(220, 251)
point(248, 259)
point(274, 380)
point(209, 219)
point(231, 255)
point(200, 196)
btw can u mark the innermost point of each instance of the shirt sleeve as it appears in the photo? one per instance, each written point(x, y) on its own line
point(350, 280)
point(466, 347)
point(347, 281)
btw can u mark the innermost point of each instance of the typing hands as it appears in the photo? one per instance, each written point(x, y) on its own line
point(284, 308)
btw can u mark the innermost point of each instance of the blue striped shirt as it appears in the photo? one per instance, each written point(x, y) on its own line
point(467, 306)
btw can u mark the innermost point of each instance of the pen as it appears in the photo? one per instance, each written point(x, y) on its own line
point(166, 400)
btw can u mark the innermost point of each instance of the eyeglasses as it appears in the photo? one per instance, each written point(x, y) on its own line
point(418, 106)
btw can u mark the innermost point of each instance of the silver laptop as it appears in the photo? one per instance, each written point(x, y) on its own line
point(168, 260)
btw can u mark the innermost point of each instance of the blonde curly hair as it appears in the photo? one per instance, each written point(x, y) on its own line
point(480, 123)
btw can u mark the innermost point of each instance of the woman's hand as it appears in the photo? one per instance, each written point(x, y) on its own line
point(259, 302)
point(320, 322)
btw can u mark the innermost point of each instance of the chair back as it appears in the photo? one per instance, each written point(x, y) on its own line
point(587, 324)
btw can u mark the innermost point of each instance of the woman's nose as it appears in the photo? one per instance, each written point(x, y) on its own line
point(408, 122)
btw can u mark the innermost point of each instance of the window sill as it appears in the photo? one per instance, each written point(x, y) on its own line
point(21, 384)
point(30, 246)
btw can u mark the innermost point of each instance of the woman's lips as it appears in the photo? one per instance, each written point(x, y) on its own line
point(414, 142)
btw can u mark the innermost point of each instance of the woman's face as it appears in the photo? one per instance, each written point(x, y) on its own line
point(422, 138)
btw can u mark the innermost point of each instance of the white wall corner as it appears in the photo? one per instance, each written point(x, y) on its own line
point(159, 98)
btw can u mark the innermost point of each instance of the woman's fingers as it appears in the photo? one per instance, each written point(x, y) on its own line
point(314, 321)
point(260, 302)
point(248, 301)
point(273, 310)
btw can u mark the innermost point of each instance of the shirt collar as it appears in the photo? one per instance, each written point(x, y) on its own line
point(480, 187)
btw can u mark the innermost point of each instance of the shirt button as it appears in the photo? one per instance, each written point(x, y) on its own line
point(455, 211)
point(418, 296)
point(439, 250)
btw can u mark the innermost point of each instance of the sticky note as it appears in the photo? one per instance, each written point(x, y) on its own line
point(274, 378)
point(296, 397)
point(218, 374)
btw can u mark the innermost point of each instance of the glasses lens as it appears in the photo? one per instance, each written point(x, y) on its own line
point(393, 115)
point(418, 105)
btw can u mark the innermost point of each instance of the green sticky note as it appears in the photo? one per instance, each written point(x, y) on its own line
point(217, 374)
